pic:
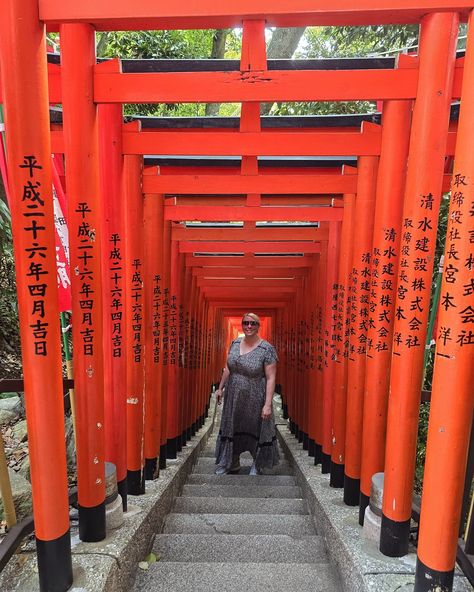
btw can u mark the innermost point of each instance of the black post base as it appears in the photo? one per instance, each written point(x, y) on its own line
point(428, 579)
point(162, 460)
point(55, 564)
point(364, 501)
point(122, 488)
point(136, 482)
point(151, 469)
point(311, 447)
point(285, 411)
point(337, 475)
point(292, 427)
point(305, 441)
point(92, 523)
point(351, 491)
point(299, 434)
point(189, 433)
point(171, 448)
point(325, 463)
point(318, 453)
point(394, 537)
point(194, 429)
point(179, 445)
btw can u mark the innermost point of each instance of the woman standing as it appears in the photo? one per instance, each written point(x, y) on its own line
point(247, 422)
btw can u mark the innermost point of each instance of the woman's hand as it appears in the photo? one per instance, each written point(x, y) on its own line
point(266, 411)
point(219, 396)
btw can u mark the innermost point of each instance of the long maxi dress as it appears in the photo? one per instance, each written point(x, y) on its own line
point(242, 427)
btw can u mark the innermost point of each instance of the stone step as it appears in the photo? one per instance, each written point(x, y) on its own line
point(239, 548)
point(208, 466)
point(276, 480)
point(210, 452)
point(166, 576)
point(266, 491)
point(239, 505)
point(239, 524)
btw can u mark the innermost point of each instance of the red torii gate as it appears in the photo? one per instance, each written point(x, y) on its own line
point(432, 81)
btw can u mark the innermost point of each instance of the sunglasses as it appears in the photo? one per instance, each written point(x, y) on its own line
point(250, 323)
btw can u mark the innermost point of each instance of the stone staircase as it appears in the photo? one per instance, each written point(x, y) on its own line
point(239, 532)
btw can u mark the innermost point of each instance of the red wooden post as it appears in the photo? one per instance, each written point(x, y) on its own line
point(384, 268)
point(172, 417)
point(359, 315)
point(330, 313)
point(452, 394)
point(153, 229)
point(312, 372)
point(25, 97)
point(113, 265)
point(83, 192)
point(420, 214)
point(341, 345)
point(135, 321)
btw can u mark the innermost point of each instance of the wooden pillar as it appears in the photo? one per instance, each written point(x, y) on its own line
point(359, 316)
point(329, 333)
point(384, 268)
point(135, 322)
point(153, 211)
point(341, 345)
point(452, 394)
point(25, 96)
point(113, 266)
point(420, 214)
point(173, 442)
point(84, 213)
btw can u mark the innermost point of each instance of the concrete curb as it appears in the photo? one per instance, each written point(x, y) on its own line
point(111, 565)
point(361, 566)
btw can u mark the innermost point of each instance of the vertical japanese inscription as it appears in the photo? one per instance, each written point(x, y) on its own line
point(116, 293)
point(458, 286)
point(36, 251)
point(137, 311)
point(156, 299)
point(414, 277)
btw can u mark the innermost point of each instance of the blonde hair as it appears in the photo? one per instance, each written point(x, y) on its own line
point(253, 316)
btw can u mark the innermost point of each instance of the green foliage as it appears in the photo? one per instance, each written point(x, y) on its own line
point(148, 45)
point(9, 328)
point(349, 42)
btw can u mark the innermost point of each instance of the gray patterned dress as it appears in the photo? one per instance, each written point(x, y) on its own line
point(242, 427)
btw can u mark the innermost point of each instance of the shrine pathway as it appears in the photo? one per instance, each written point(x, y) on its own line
point(239, 532)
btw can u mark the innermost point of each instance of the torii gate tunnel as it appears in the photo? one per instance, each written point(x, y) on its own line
point(336, 259)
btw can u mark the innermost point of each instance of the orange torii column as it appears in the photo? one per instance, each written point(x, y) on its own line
point(419, 225)
point(183, 392)
point(166, 250)
point(135, 321)
point(313, 287)
point(341, 343)
point(330, 314)
point(318, 387)
point(153, 213)
point(359, 318)
point(25, 95)
point(82, 177)
point(187, 381)
point(396, 117)
point(452, 393)
point(173, 442)
point(113, 265)
point(306, 361)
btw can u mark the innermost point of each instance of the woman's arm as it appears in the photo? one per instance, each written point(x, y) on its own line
point(270, 376)
point(222, 383)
